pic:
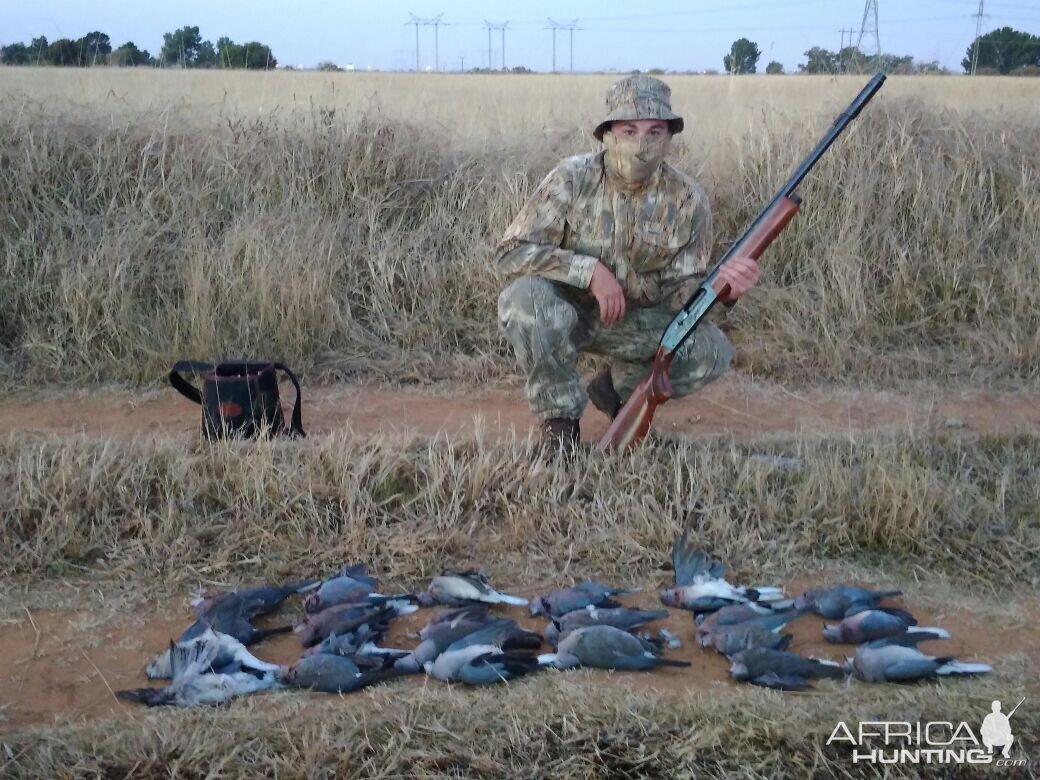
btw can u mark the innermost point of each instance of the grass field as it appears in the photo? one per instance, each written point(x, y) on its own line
point(346, 225)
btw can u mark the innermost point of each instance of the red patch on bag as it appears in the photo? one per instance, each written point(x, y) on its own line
point(229, 409)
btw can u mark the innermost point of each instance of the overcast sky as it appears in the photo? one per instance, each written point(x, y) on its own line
point(618, 34)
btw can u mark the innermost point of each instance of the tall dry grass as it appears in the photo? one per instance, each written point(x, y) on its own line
point(173, 513)
point(348, 242)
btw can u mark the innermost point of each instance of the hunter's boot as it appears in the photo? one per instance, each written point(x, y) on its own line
point(561, 433)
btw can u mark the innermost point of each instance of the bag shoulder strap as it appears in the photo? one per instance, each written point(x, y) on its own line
point(296, 424)
point(182, 385)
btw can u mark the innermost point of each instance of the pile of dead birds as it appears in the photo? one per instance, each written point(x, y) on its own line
point(347, 619)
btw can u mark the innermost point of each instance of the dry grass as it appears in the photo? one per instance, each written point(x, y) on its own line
point(349, 243)
point(160, 510)
point(543, 727)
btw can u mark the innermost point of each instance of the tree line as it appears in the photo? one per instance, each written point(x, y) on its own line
point(183, 48)
point(1001, 51)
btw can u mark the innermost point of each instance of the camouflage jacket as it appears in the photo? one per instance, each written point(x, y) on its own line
point(656, 242)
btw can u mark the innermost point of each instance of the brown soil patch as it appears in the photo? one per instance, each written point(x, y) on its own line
point(733, 405)
point(65, 666)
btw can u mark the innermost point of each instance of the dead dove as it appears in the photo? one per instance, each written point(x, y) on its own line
point(439, 634)
point(897, 659)
point(730, 640)
point(231, 613)
point(360, 641)
point(770, 621)
point(838, 601)
point(333, 674)
point(580, 596)
point(504, 633)
point(606, 647)
point(350, 585)
point(480, 665)
point(870, 624)
point(620, 617)
point(193, 681)
point(231, 656)
point(700, 585)
point(455, 588)
point(780, 669)
point(347, 618)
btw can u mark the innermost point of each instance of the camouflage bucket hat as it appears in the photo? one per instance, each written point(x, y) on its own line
point(639, 97)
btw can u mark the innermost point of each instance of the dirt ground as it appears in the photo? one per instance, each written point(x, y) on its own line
point(734, 405)
point(64, 667)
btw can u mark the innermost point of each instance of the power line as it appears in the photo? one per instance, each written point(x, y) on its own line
point(434, 22)
point(570, 26)
point(502, 27)
point(978, 33)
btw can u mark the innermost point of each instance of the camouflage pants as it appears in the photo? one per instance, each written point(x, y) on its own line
point(548, 324)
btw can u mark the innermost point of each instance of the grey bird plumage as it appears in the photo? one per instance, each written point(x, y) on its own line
point(779, 669)
point(770, 621)
point(457, 588)
point(870, 624)
point(350, 585)
point(334, 674)
point(584, 594)
point(897, 659)
point(439, 634)
point(838, 601)
point(730, 640)
point(606, 647)
point(194, 681)
point(700, 585)
point(342, 619)
point(620, 617)
point(480, 665)
point(231, 656)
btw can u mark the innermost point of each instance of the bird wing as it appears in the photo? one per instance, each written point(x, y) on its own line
point(781, 682)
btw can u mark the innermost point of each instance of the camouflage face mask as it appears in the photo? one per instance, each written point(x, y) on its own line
point(634, 160)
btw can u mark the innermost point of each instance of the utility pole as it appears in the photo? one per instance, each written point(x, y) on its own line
point(869, 28)
point(570, 26)
point(434, 22)
point(489, 26)
point(462, 64)
point(978, 34)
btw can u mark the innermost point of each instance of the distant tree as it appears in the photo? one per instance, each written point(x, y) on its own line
point(205, 55)
point(1027, 70)
point(520, 69)
point(65, 52)
point(929, 68)
point(774, 68)
point(743, 57)
point(15, 54)
point(252, 55)
point(38, 49)
point(181, 47)
point(329, 66)
point(657, 71)
point(95, 47)
point(819, 60)
point(128, 55)
point(1004, 50)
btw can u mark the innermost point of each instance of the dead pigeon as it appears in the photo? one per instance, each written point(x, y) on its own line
point(480, 665)
point(504, 633)
point(838, 601)
point(193, 681)
point(735, 613)
point(699, 583)
point(606, 647)
point(350, 585)
point(897, 659)
point(441, 632)
point(231, 613)
point(730, 640)
point(362, 640)
point(580, 596)
point(620, 617)
point(871, 624)
point(779, 669)
point(333, 674)
point(770, 621)
point(454, 588)
point(232, 656)
point(346, 618)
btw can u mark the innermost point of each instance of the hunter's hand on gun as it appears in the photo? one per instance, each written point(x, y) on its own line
point(608, 294)
point(740, 274)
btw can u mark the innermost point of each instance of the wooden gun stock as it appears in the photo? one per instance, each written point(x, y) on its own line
point(633, 420)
